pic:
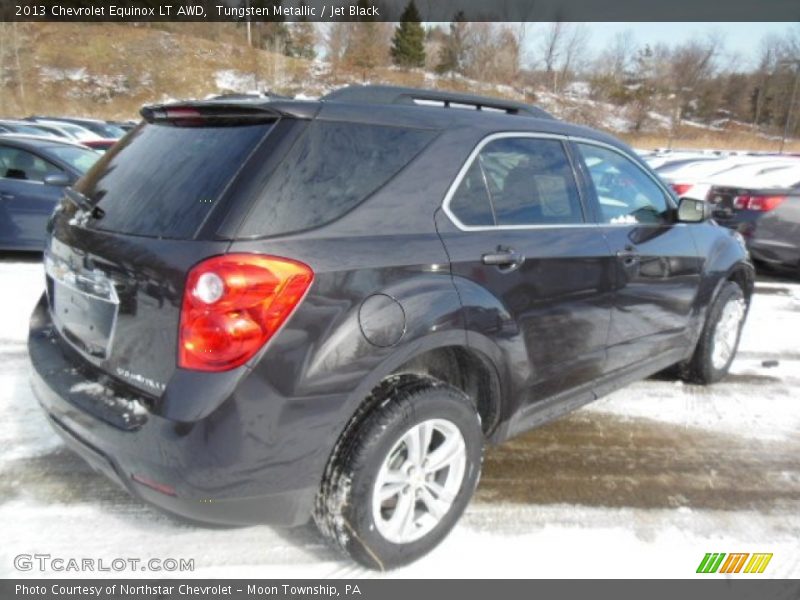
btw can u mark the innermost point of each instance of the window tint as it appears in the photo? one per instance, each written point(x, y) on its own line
point(329, 171)
point(163, 180)
point(470, 203)
point(21, 164)
point(626, 194)
point(527, 181)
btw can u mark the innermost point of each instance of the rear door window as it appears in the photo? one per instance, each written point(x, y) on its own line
point(519, 182)
point(329, 171)
point(163, 180)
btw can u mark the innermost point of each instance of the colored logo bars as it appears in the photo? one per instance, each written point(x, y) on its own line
point(713, 563)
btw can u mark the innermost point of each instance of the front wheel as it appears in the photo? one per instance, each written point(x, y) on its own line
point(401, 478)
point(719, 341)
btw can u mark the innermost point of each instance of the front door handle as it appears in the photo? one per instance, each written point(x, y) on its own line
point(6, 196)
point(508, 259)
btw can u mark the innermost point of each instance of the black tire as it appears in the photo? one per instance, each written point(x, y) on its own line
point(343, 509)
point(700, 368)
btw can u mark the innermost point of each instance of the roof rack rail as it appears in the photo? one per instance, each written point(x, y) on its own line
point(389, 94)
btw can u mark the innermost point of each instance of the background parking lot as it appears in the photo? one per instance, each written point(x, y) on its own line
point(640, 484)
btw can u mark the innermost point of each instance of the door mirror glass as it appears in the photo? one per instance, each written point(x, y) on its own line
point(56, 179)
point(691, 210)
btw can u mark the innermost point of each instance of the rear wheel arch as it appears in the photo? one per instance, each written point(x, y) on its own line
point(465, 369)
point(460, 366)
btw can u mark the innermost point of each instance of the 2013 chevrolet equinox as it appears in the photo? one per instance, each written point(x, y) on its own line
point(260, 311)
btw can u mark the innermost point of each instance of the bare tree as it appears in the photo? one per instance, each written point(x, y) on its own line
point(616, 59)
point(16, 43)
point(550, 47)
point(336, 37)
point(575, 40)
point(368, 45)
point(455, 47)
point(493, 53)
point(690, 64)
point(769, 51)
point(507, 55)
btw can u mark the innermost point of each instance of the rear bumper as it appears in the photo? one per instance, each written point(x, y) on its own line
point(229, 468)
point(765, 237)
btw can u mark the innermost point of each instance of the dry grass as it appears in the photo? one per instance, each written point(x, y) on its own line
point(126, 67)
point(722, 140)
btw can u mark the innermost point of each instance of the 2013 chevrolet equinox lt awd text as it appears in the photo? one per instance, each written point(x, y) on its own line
point(259, 311)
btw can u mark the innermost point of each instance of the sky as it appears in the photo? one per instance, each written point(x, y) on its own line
point(740, 38)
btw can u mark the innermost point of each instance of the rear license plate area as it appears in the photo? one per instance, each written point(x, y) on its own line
point(85, 320)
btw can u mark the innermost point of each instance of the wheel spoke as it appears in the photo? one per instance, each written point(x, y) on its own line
point(389, 490)
point(438, 507)
point(450, 449)
point(402, 519)
point(425, 434)
point(726, 333)
point(393, 476)
point(413, 446)
point(440, 491)
point(415, 486)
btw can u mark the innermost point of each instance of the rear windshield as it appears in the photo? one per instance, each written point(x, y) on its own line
point(329, 171)
point(162, 180)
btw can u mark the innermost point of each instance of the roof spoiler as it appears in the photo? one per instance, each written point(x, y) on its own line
point(256, 109)
point(387, 94)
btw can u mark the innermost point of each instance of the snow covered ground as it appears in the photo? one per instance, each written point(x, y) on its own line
point(640, 484)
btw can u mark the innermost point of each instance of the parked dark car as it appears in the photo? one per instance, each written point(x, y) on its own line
point(25, 128)
point(263, 310)
point(768, 219)
point(100, 128)
point(33, 173)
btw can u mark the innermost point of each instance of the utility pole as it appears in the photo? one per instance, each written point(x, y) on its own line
point(796, 63)
point(249, 29)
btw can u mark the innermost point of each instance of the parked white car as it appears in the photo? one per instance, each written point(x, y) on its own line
point(694, 180)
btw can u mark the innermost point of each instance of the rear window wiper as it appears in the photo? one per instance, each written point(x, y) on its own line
point(83, 203)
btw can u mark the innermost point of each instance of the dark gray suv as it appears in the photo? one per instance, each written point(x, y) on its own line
point(264, 311)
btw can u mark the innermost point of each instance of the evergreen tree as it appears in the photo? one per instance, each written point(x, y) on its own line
point(452, 57)
point(408, 43)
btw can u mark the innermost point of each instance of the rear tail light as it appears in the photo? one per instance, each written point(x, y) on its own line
point(681, 188)
point(233, 304)
point(758, 203)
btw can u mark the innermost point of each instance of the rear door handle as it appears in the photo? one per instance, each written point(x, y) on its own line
point(5, 196)
point(505, 258)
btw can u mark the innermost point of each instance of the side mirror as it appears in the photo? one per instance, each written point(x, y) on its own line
point(691, 210)
point(57, 179)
